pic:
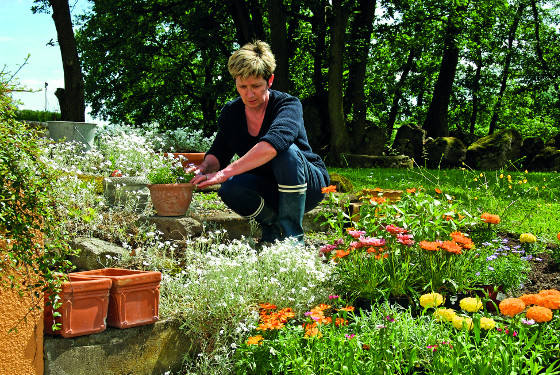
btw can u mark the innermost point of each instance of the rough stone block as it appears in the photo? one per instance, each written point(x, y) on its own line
point(150, 349)
point(93, 253)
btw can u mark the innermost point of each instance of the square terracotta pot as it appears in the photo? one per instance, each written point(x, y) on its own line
point(134, 296)
point(84, 307)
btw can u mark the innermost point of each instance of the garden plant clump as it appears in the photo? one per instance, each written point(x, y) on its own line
point(280, 310)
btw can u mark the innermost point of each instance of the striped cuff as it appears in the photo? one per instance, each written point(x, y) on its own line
point(292, 188)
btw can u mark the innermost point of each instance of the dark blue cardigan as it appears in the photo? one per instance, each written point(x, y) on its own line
point(282, 126)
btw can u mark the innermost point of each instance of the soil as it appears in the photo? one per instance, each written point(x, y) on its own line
point(545, 271)
point(545, 274)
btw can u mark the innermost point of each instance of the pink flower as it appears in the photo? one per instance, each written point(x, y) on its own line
point(372, 241)
point(405, 239)
point(393, 229)
point(350, 337)
point(356, 233)
point(333, 297)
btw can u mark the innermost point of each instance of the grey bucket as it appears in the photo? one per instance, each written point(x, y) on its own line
point(83, 132)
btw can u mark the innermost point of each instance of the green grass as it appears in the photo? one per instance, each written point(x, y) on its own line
point(525, 201)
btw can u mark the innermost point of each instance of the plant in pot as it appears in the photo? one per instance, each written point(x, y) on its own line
point(170, 189)
point(187, 144)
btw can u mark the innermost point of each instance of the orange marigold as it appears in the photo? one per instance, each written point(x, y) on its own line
point(490, 219)
point(451, 247)
point(551, 301)
point(539, 314)
point(530, 299)
point(430, 246)
point(549, 292)
point(511, 306)
point(328, 189)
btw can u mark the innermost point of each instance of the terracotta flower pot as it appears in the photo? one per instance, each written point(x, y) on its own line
point(84, 307)
point(187, 158)
point(491, 293)
point(171, 199)
point(134, 295)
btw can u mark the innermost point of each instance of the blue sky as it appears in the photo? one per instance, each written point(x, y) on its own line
point(23, 33)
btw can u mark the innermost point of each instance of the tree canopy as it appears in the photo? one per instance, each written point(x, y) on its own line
point(451, 66)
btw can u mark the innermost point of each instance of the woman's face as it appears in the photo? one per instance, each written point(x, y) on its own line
point(253, 90)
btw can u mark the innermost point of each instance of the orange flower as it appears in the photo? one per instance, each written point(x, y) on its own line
point(340, 322)
point(255, 340)
point(549, 292)
point(347, 308)
point(531, 299)
point(341, 254)
point(460, 238)
point(430, 246)
point(377, 200)
point(311, 330)
point(558, 236)
point(328, 189)
point(539, 314)
point(489, 218)
point(550, 301)
point(322, 307)
point(451, 247)
point(411, 191)
point(511, 306)
point(438, 191)
point(268, 306)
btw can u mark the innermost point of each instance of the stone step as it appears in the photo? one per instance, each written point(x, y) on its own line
point(149, 349)
point(182, 227)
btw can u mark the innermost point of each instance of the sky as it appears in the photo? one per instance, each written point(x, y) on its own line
point(23, 33)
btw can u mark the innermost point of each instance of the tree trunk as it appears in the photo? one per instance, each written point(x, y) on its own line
point(277, 16)
point(505, 72)
point(318, 28)
point(242, 21)
point(73, 94)
point(476, 89)
point(435, 123)
point(339, 133)
point(398, 93)
point(362, 29)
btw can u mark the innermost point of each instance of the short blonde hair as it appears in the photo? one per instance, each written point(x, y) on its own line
point(253, 59)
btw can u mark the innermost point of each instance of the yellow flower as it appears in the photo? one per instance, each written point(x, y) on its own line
point(487, 323)
point(460, 322)
point(509, 178)
point(527, 238)
point(431, 300)
point(501, 175)
point(255, 340)
point(470, 304)
point(482, 175)
point(444, 315)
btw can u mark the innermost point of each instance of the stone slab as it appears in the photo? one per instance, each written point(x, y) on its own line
point(150, 349)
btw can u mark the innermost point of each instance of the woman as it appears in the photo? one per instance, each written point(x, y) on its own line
point(277, 177)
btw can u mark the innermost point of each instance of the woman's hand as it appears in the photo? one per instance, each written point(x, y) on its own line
point(205, 180)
